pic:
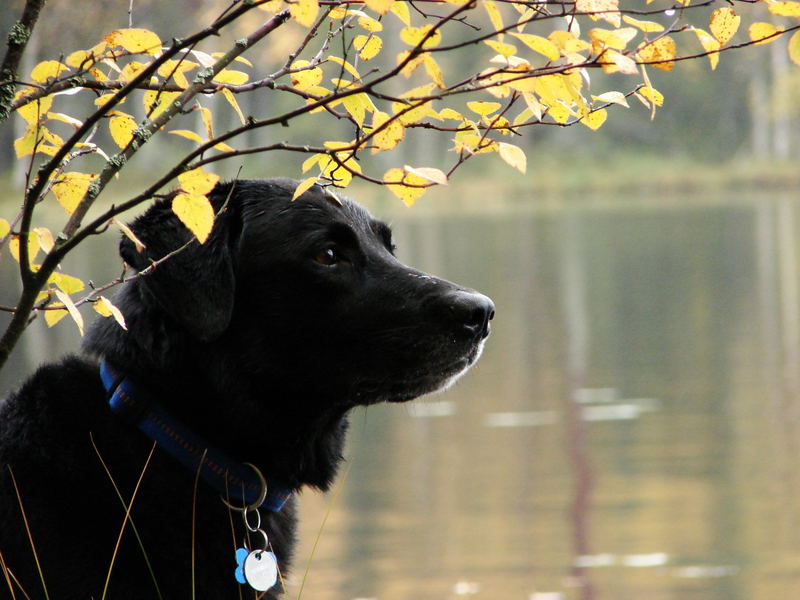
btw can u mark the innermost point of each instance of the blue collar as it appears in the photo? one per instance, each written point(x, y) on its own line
point(233, 479)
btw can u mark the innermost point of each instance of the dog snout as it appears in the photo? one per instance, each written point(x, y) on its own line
point(470, 310)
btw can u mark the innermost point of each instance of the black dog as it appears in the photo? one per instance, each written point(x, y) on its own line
point(244, 354)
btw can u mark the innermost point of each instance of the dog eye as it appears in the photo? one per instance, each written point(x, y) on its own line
point(327, 257)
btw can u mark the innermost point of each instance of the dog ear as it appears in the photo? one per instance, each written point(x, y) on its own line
point(196, 285)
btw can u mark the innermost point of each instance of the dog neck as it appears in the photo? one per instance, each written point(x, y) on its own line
point(232, 479)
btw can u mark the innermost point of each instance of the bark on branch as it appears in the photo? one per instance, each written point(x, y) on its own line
point(18, 37)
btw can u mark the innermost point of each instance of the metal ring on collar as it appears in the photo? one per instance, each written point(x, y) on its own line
point(262, 496)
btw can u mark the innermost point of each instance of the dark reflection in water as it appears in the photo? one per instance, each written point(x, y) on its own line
point(631, 433)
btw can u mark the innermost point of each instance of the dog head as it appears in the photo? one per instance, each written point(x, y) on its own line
point(307, 291)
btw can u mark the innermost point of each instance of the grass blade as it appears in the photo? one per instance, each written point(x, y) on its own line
point(321, 527)
point(28, 529)
point(127, 519)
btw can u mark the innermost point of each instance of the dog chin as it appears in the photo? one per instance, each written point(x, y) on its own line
point(434, 383)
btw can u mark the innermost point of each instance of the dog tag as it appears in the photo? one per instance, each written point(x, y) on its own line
point(260, 569)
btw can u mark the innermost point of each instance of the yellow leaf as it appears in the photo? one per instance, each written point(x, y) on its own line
point(759, 31)
point(158, 102)
point(231, 77)
point(400, 10)
point(380, 6)
point(347, 66)
point(559, 113)
point(370, 24)
point(401, 185)
point(5, 228)
point(71, 308)
point(189, 135)
point(357, 105)
point(71, 188)
point(646, 26)
point(612, 97)
point(229, 96)
point(122, 127)
point(33, 247)
point(653, 95)
point(523, 117)
point(66, 283)
point(412, 64)
point(80, 59)
point(625, 64)
point(512, 64)
point(35, 111)
point(171, 67)
point(47, 69)
point(617, 39)
point(26, 144)
point(177, 69)
point(784, 9)
point(46, 241)
point(340, 174)
point(429, 173)
point(608, 10)
point(136, 41)
point(449, 113)
point(104, 307)
point(434, 72)
point(195, 211)
point(553, 89)
point(710, 45)
point(794, 47)
point(723, 24)
point(313, 160)
point(305, 77)
point(130, 71)
point(412, 97)
point(533, 105)
point(484, 109)
point(473, 143)
point(53, 316)
point(501, 48)
point(659, 53)
point(197, 181)
point(388, 137)
point(36, 138)
point(513, 155)
point(302, 187)
point(128, 232)
point(368, 46)
point(560, 38)
point(413, 36)
point(595, 119)
point(494, 15)
point(304, 11)
point(539, 44)
point(205, 116)
point(103, 99)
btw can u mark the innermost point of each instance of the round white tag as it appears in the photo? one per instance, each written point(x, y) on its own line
point(261, 570)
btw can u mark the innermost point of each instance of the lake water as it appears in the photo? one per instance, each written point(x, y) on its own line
point(632, 432)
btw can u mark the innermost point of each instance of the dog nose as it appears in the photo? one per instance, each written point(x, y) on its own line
point(473, 311)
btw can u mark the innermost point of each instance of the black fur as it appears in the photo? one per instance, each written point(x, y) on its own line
point(258, 345)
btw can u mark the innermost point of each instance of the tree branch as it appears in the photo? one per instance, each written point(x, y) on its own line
point(18, 37)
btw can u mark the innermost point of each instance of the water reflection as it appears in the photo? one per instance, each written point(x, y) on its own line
point(632, 431)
